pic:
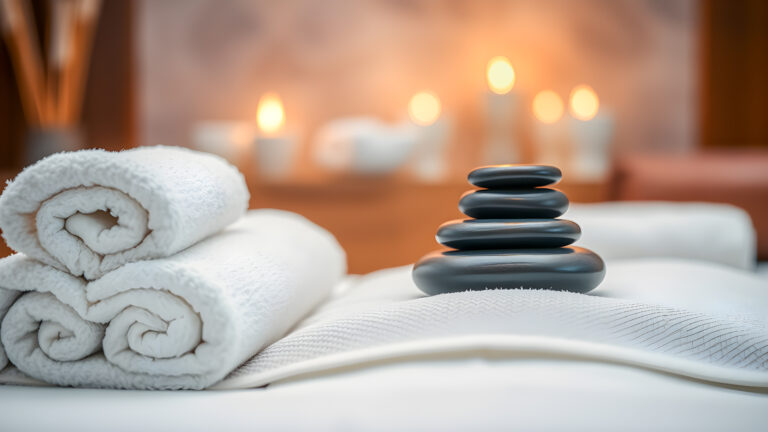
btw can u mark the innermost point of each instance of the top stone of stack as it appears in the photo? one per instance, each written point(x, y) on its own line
point(514, 176)
point(514, 192)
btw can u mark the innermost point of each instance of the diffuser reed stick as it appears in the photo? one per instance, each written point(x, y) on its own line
point(25, 57)
point(51, 96)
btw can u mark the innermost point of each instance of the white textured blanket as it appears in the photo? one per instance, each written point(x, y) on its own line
point(687, 318)
point(183, 321)
point(91, 211)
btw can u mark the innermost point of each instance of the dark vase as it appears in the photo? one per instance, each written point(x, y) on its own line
point(41, 142)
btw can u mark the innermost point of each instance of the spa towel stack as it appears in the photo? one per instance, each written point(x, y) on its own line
point(143, 269)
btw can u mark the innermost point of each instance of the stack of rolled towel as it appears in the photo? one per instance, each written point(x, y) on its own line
point(144, 269)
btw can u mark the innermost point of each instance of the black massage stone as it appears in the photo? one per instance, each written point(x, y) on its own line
point(507, 233)
point(514, 239)
point(570, 268)
point(514, 176)
point(513, 203)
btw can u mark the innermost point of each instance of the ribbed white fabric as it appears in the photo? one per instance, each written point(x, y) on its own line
point(383, 317)
point(91, 211)
point(183, 321)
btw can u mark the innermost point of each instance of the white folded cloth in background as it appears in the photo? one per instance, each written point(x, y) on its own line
point(183, 321)
point(91, 211)
point(661, 321)
point(718, 233)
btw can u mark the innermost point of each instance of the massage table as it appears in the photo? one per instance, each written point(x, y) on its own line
point(482, 391)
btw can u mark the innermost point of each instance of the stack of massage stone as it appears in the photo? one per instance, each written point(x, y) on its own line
point(514, 239)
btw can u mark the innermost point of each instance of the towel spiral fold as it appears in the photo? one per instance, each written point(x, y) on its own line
point(183, 321)
point(137, 331)
point(47, 329)
point(91, 211)
point(95, 221)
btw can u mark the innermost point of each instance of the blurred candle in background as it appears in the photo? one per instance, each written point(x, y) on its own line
point(501, 113)
point(549, 132)
point(432, 130)
point(591, 132)
point(275, 149)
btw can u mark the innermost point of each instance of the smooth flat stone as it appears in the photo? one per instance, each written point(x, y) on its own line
point(507, 233)
point(563, 269)
point(514, 203)
point(512, 176)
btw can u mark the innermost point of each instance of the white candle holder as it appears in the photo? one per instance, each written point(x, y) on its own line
point(502, 110)
point(429, 161)
point(551, 143)
point(275, 155)
point(590, 155)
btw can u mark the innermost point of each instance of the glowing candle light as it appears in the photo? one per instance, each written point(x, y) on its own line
point(501, 112)
point(500, 75)
point(548, 107)
point(275, 149)
point(270, 115)
point(584, 103)
point(431, 133)
point(424, 108)
point(549, 131)
point(591, 132)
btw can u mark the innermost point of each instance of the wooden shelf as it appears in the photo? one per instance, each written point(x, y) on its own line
point(384, 222)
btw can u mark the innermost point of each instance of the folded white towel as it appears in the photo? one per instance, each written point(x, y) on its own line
point(183, 321)
point(91, 211)
point(718, 233)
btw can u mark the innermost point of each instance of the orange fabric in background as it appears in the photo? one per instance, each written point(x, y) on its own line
point(734, 177)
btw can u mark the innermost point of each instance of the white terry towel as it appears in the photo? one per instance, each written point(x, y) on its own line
point(183, 321)
point(7, 297)
point(91, 211)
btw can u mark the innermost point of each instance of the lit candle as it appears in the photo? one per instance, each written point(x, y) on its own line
point(591, 131)
point(549, 131)
point(432, 129)
point(502, 110)
point(275, 149)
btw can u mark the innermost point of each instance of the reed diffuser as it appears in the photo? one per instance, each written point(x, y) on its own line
point(51, 89)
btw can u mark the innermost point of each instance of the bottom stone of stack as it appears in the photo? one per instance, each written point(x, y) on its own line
point(570, 268)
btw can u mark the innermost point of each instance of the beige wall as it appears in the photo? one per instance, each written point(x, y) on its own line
point(210, 60)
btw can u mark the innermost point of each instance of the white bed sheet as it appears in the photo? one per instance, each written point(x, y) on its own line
point(481, 394)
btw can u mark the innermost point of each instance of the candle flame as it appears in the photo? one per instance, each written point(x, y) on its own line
point(424, 108)
point(547, 106)
point(501, 75)
point(584, 102)
point(270, 115)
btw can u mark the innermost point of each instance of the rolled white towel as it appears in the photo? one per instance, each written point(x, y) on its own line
point(7, 297)
point(91, 211)
point(183, 321)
